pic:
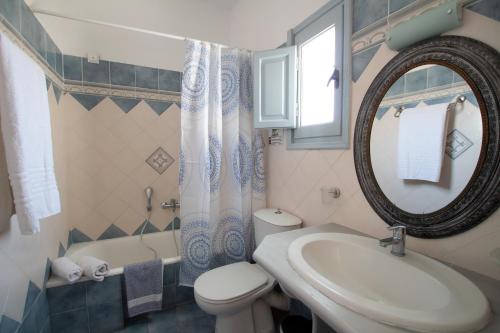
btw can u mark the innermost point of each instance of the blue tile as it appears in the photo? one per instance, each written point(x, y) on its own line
point(31, 295)
point(410, 105)
point(11, 11)
point(488, 8)
point(78, 237)
point(59, 63)
point(48, 265)
point(457, 78)
point(50, 55)
point(122, 74)
point(472, 99)
point(70, 240)
point(169, 80)
point(168, 300)
point(164, 321)
point(125, 104)
point(107, 291)
point(61, 251)
point(70, 322)
point(112, 232)
point(361, 60)
point(200, 325)
point(105, 318)
point(32, 30)
point(396, 5)
point(184, 295)
point(66, 298)
point(176, 223)
point(37, 316)
point(445, 99)
point(159, 106)
point(96, 73)
point(8, 325)
point(439, 76)
point(367, 12)
point(57, 92)
point(137, 328)
point(146, 77)
point(48, 83)
point(381, 112)
point(397, 87)
point(150, 228)
point(88, 102)
point(46, 327)
point(416, 81)
point(188, 312)
point(169, 274)
point(72, 68)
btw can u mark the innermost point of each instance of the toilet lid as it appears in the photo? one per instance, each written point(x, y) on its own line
point(230, 282)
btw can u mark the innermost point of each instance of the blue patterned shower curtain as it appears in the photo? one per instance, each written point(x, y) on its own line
point(221, 160)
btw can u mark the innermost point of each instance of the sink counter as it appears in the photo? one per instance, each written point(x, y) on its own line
point(272, 255)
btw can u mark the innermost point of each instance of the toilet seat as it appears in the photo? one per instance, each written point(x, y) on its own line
point(230, 283)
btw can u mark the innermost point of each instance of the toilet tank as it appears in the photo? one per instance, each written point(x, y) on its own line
point(271, 220)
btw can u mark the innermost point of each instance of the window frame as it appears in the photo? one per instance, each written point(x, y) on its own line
point(333, 135)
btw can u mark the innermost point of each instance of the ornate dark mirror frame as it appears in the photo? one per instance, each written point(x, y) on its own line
point(479, 65)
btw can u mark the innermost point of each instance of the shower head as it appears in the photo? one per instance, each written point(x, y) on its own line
point(149, 195)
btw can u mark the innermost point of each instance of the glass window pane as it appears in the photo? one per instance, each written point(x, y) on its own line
point(317, 62)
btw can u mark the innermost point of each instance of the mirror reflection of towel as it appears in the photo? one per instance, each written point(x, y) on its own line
point(421, 142)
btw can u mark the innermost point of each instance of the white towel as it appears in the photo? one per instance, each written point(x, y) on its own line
point(94, 268)
point(421, 142)
point(66, 269)
point(25, 121)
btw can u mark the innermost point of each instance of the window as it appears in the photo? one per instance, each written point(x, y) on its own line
point(322, 108)
point(305, 87)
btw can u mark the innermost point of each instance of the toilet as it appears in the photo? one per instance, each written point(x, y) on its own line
point(240, 295)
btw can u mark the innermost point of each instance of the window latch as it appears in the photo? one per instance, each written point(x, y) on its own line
point(335, 77)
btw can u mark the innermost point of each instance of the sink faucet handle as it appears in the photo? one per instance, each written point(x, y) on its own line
point(399, 231)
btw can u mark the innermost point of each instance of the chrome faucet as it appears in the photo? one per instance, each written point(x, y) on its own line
point(397, 240)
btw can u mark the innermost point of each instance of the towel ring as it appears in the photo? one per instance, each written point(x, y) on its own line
point(460, 99)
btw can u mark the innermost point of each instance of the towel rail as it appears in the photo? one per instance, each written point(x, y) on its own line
point(460, 99)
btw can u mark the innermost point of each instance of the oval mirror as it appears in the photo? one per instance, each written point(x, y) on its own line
point(437, 86)
point(426, 144)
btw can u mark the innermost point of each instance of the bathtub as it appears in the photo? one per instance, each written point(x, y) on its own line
point(101, 306)
point(122, 251)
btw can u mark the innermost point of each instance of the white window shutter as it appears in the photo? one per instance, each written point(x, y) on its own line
point(275, 77)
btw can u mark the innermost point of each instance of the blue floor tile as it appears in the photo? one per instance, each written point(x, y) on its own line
point(70, 322)
point(161, 322)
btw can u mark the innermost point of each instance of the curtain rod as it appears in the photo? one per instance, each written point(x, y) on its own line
point(113, 25)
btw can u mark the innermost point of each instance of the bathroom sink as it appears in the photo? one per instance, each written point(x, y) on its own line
point(413, 292)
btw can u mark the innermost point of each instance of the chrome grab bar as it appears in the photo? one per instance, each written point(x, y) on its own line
point(172, 204)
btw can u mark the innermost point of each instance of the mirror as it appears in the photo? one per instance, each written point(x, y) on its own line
point(419, 87)
point(455, 82)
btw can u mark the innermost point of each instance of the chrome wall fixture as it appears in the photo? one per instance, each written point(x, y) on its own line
point(172, 204)
point(460, 100)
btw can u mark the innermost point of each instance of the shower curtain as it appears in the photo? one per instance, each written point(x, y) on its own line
point(221, 167)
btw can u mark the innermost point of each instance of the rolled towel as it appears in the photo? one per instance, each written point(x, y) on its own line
point(94, 268)
point(66, 269)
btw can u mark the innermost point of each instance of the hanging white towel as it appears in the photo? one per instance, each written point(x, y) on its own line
point(25, 123)
point(421, 142)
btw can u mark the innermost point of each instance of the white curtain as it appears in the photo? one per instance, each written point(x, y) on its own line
point(221, 160)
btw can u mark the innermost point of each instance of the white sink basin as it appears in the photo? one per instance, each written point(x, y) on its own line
point(413, 292)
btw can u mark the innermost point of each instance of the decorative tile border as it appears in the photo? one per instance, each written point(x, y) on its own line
point(113, 231)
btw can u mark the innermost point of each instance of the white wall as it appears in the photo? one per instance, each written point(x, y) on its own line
point(197, 19)
point(263, 24)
